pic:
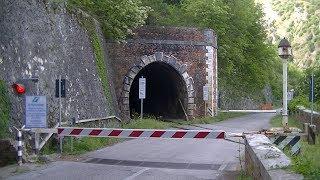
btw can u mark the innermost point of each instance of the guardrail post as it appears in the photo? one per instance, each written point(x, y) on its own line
point(311, 134)
point(19, 147)
point(36, 143)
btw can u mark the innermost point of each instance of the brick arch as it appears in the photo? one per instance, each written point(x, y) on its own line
point(146, 60)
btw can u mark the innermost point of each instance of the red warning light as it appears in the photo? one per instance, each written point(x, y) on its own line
point(19, 88)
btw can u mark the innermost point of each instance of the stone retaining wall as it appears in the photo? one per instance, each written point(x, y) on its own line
point(304, 116)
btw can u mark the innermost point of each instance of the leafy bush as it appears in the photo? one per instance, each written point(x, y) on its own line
point(117, 17)
point(5, 107)
point(307, 163)
point(297, 101)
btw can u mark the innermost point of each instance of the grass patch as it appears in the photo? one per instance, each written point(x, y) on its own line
point(276, 121)
point(308, 162)
point(208, 120)
point(148, 123)
point(244, 176)
point(85, 144)
point(5, 107)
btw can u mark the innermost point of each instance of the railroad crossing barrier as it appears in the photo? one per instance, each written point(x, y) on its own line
point(140, 133)
point(122, 133)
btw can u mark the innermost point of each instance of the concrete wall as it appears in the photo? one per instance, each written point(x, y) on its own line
point(43, 40)
point(193, 48)
point(264, 161)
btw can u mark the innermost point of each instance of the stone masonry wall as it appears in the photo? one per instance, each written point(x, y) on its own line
point(188, 45)
point(41, 39)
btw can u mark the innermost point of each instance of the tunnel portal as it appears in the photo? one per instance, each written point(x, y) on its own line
point(166, 92)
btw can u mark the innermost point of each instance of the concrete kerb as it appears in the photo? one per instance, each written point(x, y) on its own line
point(264, 160)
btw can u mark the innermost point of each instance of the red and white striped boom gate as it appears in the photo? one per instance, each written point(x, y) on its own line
point(141, 133)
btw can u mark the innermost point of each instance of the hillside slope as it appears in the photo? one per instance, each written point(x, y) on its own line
point(299, 21)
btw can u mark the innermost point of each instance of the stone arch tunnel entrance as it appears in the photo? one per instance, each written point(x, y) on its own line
point(166, 92)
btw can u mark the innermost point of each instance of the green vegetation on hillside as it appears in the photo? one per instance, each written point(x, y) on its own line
point(246, 62)
point(5, 108)
point(117, 17)
point(89, 24)
point(301, 81)
point(299, 21)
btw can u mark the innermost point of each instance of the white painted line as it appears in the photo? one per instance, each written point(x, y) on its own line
point(223, 166)
point(136, 174)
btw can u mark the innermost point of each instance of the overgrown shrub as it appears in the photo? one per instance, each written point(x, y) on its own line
point(297, 101)
point(5, 107)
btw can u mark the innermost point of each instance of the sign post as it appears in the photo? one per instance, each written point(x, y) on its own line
point(60, 92)
point(311, 96)
point(36, 115)
point(205, 98)
point(142, 93)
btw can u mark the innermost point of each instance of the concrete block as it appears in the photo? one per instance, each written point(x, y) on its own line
point(126, 87)
point(190, 100)
point(185, 75)
point(172, 61)
point(165, 58)
point(127, 80)
point(131, 74)
point(125, 100)
point(190, 88)
point(263, 159)
point(126, 107)
point(159, 56)
point(135, 69)
point(152, 58)
point(190, 94)
point(145, 60)
point(125, 94)
point(183, 68)
point(191, 106)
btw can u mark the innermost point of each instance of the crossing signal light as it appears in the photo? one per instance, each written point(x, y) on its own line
point(19, 88)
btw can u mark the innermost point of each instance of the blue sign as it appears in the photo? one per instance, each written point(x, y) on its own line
point(311, 91)
point(36, 112)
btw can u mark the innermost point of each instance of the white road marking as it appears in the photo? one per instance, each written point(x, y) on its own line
point(222, 167)
point(136, 174)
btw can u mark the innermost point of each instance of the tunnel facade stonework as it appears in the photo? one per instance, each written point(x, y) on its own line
point(191, 52)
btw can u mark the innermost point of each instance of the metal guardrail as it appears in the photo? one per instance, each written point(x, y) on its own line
point(252, 111)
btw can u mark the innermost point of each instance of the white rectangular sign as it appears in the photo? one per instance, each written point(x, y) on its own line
point(36, 112)
point(290, 95)
point(142, 88)
point(205, 93)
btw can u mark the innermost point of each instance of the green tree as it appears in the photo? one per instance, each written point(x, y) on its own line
point(246, 62)
point(117, 17)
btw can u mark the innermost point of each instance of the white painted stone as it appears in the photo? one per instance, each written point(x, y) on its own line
point(152, 58)
point(269, 155)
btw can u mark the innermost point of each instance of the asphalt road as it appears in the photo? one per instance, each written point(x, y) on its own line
point(147, 159)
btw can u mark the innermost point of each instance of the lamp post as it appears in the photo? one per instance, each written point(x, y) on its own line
point(285, 52)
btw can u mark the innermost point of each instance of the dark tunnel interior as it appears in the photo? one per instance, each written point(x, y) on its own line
point(165, 88)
